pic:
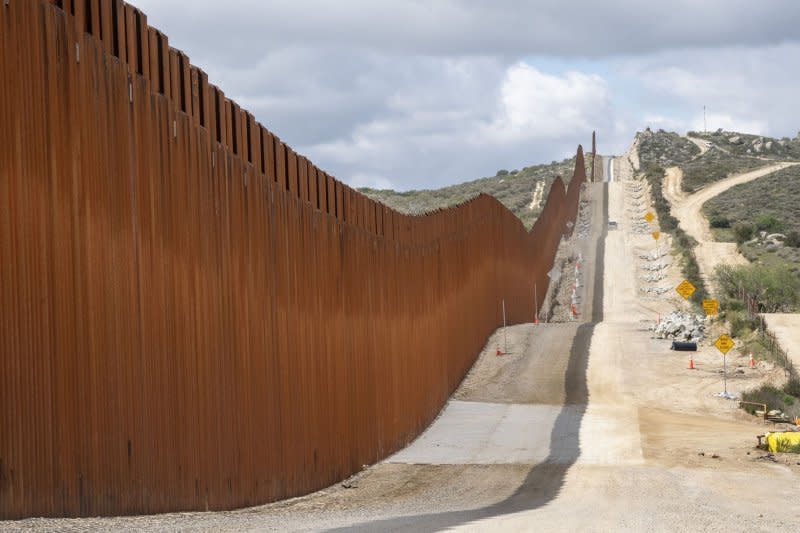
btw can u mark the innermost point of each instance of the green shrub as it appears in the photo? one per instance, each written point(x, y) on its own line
point(743, 232)
point(792, 239)
point(793, 387)
point(763, 289)
point(769, 223)
point(719, 221)
point(767, 394)
point(742, 324)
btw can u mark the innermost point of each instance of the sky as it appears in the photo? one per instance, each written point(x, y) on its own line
point(417, 94)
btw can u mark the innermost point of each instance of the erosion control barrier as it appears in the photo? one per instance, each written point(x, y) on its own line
point(683, 346)
point(192, 315)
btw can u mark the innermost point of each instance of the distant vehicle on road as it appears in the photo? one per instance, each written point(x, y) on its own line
point(612, 224)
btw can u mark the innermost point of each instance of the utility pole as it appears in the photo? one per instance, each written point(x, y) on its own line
point(705, 128)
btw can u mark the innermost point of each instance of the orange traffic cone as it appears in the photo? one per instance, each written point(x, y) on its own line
point(752, 361)
point(691, 363)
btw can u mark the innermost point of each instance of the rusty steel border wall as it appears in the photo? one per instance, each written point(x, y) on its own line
point(192, 315)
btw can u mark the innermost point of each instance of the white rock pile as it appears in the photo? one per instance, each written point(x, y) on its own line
point(655, 290)
point(652, 267)
point(680, 326)
point(655, 255)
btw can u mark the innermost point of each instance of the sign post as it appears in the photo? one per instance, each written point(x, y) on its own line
point(724, 343)
point(505, 335)
point(656, 235)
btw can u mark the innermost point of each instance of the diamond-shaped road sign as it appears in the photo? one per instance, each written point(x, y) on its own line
point(711, 307)
point(656, 234)
point(724, 344)
point(685, 289)
point(649, 216)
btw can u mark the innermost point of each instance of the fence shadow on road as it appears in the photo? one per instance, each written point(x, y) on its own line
point(544, 481)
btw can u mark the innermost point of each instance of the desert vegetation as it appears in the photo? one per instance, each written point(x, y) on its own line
point(514, 189)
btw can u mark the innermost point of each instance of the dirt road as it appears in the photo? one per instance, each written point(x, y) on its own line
point(688, 210)
point(703, 145)
point(582, 426)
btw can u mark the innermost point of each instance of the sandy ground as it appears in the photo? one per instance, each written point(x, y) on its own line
point(538, 194)
point(626, 166)
point(583, 426)
point(688, 210)
point(786, 327)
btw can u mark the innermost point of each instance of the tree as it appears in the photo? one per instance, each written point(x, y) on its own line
point(743, 232)
point(762, 289)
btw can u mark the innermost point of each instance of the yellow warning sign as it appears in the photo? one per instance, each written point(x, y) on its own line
point(685, 289)
point(649, 216)
point(724, 343)
point(711, 307)
point(656, 234)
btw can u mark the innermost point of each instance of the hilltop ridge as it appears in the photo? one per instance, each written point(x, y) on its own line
point(522, 191)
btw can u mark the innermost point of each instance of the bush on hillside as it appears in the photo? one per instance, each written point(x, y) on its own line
point(793, 239)
point(719, 221)
point(762, 289)
point(743, 232)
point(769, 224)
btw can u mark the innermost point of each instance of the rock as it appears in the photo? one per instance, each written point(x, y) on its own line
point(735, 140)
point(680, 326)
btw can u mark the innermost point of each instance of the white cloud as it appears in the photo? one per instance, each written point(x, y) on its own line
point(714, 121)
point(537, 105)
point(439, 129)
point(421, 94)
point(239, 31)
point(751, 90)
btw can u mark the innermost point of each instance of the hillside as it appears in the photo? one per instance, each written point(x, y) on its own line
point(664, 148)
point(761, 216)
point(522, 191)
point(745, 144)
point(728, 153)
